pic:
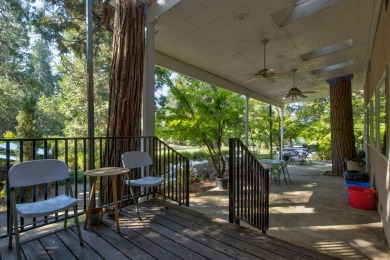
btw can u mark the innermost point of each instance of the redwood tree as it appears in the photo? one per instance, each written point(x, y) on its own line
point(126, 79)
point(341, 123)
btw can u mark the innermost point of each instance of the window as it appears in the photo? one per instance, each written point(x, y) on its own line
point(373, 141)
point(382, 118)
point(368, 124)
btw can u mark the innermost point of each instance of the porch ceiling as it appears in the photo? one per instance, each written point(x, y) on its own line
point(220, 42)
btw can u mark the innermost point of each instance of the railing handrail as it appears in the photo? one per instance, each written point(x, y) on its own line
point(73, 150)
point(248, 187)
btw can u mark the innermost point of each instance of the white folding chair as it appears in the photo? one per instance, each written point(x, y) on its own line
point(33, 173)
point(132, 161)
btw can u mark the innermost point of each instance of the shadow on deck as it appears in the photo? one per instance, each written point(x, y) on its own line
point(176, 233)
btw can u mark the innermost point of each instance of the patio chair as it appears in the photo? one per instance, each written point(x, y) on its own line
point(285, 170)
point(31, 173)
point(294, 156)
point(135, 160)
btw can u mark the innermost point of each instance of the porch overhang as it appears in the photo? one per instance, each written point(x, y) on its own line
point(220, 42)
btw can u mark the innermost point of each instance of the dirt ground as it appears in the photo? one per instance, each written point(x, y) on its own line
point(199, 187)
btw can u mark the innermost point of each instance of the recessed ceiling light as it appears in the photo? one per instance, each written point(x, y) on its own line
point(241, 17)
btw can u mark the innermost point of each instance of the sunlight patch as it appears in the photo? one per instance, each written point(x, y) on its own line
point(310, 185)
point(291, 209)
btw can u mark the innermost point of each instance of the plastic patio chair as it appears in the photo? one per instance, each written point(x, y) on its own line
point(285, 170)
point(132, 161)
point(294, 156)
point(31, 173)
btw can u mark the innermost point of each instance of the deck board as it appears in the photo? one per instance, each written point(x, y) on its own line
point(51, 243)
point(176, 233)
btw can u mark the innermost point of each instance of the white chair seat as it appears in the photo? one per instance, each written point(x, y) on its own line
point(45, 207)
point(148, 181)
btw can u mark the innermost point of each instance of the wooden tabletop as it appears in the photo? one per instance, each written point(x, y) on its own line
point(106, 171)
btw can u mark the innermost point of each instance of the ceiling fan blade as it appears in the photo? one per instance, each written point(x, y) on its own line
point(270, 80)
point(308, 92)
point(250, 80)
point(287, 74)
point(301, 95)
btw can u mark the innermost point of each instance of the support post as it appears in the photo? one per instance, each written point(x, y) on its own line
point(247, 121)
point(281, 133)
point(148, 109)
point(270, 129)
point(90, 87)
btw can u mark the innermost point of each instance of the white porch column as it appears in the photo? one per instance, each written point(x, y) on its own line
point(246, 121)
point(281, 133)
point(148, 108)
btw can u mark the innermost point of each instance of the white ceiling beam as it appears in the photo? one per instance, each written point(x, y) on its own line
point(158, 8)
point(189, 70)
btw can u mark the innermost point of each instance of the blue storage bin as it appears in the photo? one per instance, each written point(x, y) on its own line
point(358, 183)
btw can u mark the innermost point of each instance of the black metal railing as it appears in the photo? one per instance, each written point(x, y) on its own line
point(81, 154)
point(248, 187)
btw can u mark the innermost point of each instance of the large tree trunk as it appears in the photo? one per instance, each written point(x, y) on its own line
point(341, 123)
point(126, 82)
point(126, 79)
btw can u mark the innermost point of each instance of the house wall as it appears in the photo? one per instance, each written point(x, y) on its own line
point(377, 163)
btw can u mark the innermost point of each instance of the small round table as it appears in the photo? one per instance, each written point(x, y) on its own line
point(111, 172)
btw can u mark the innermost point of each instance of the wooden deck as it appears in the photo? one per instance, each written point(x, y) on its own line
point(176, 233)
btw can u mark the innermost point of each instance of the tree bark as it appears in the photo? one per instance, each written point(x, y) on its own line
point(126, 79)
point(341, 122)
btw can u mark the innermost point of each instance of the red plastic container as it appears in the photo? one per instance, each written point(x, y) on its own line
point(361, 197)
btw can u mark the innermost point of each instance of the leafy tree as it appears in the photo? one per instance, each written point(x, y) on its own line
point(73, 96)
point(201, 113)
point(259, 125)
point(50, 117)
point(14, 38)
point(14, 42)
point(10, 99)
point(40, 67)
point(54, 19)
point(27, 118)
point(309, 122)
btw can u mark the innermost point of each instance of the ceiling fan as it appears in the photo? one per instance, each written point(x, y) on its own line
point(294, 92)
point(267, 73)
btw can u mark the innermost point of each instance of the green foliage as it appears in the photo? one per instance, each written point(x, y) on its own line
point(73, 96)
point(196, 155)
point(26, 127)
point(200, 155)
point(10, 102)
point(50, 117)
point(9, 135)
point(40, 68)
point(205, 114)
point(80, 176)
point(13, 38)
point(308, 123)
point(55, 19)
